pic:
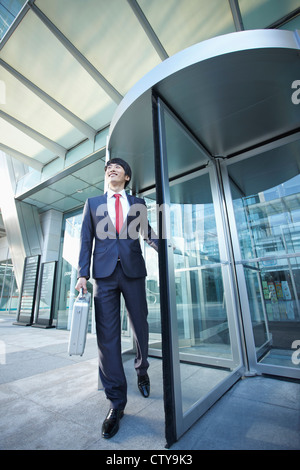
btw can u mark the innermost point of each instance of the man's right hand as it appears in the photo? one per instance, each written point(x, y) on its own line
point(81, 284)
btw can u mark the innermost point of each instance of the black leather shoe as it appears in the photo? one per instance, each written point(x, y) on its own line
point(144, 385)
point(110, 425)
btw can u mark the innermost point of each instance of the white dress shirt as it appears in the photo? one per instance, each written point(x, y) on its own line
point(111, 201)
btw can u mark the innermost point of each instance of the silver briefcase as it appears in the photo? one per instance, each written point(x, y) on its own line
point(79, 324)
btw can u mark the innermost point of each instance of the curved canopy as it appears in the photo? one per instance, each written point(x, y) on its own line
point(65, 66)
point(233, 92)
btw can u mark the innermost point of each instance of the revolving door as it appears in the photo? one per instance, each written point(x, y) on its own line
point(214, 139)
point(200, 339)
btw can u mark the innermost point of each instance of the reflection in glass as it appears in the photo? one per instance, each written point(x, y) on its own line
point(203, 331)
point(269, 235)
point(152, 281)
point(257, 308)
point(200, 299)
point(199, 302)
point(8, 12)
point(9, 293)
point(273, 217)
point(70, 253)
point(46, 286)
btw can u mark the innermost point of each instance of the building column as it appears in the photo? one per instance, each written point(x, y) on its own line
point(21, 220)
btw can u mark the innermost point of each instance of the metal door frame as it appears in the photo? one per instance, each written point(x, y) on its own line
point(178, 422)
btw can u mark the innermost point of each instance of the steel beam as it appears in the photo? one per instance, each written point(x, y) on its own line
point(236, 14)
point(78, 123)
point(43, 140)
point(92, 71)
point(148, 29)
point(21, 157)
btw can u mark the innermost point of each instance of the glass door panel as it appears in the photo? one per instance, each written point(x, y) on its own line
point(204, 336)
point(152, 282)
point(281, 287)
point(203, 331)
point(267, 214)
point(255, 290)
point(206, 356)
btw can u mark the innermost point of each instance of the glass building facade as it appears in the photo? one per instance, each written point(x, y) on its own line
point(9, 10)
point(223, 295)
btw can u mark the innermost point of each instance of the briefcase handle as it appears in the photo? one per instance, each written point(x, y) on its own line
point(82, 295)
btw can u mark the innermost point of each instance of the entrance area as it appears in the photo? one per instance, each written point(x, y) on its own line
point(225, 299)
point(232, 266)
point(217, 161)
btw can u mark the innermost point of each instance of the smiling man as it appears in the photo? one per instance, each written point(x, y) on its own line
point(118, 268)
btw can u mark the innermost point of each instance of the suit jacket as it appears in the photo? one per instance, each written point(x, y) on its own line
point(98, 229)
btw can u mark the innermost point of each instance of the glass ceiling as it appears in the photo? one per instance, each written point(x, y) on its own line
point(65, 65)
point(9, 10)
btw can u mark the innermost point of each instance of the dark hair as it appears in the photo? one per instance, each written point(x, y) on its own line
point(124, 165)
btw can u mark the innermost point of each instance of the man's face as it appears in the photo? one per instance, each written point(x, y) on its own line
point(115, 174)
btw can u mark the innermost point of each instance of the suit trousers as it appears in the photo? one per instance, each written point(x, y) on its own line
point(107, 298)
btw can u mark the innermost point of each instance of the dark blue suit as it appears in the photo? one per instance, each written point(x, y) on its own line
point(118, 267)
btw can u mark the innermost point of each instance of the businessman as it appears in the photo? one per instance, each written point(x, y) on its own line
point(113, 222)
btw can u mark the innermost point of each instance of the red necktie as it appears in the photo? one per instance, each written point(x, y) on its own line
point(119, 213)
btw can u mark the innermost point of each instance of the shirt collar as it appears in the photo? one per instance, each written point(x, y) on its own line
point(111, 193)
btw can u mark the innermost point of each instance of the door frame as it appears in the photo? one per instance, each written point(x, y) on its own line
point(178, 422)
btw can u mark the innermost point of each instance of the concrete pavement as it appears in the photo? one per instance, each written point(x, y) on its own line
point(51, 401)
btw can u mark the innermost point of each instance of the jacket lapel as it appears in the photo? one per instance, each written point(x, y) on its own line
point(105, 221)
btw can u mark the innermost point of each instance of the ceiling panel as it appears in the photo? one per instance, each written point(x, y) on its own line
point(66, 204)
point(265, 171)
point(115, 44)
point(19, 141)
point(47, 196)
point(24, 105)
point(90, 191)
point(179, 24)
point(69, 185)
point(70, 191)
point(108, 35)
point(262, 13)
point(38, 55)
point(92, 173)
